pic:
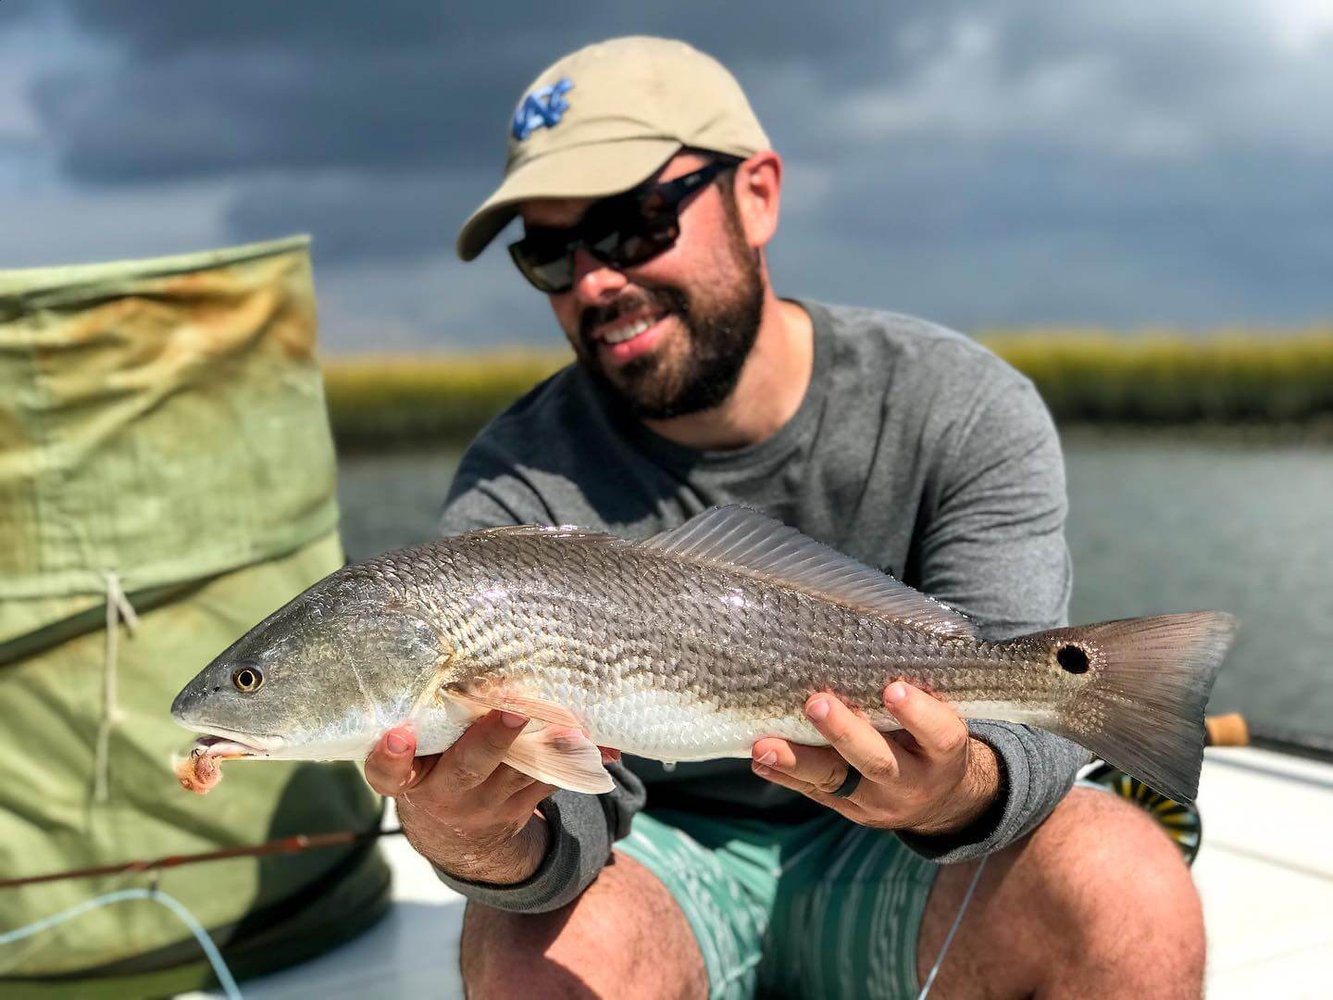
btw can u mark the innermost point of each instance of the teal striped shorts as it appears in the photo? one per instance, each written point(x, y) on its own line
point(824, 908)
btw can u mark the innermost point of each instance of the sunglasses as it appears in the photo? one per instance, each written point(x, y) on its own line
point(620, 231)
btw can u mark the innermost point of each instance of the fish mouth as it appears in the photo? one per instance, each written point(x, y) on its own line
point(226, 745)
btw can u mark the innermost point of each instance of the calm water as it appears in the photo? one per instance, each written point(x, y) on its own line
point(1157, 523)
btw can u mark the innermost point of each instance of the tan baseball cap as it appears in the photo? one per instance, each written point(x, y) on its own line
point(605, 118)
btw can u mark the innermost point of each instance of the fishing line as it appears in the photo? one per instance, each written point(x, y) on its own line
point(948, 938)
point(220, 970)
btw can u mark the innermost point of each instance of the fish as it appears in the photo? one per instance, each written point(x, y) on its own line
point(690, 645)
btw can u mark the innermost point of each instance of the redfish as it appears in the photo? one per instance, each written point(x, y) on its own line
point(690, 645)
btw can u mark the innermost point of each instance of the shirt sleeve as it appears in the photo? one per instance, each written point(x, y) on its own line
point(489, 491)
point(994, 547)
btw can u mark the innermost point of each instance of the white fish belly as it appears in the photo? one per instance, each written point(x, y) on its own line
point(1006, 711)
point(669, 726)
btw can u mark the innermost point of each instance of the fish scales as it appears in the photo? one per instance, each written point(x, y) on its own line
point(690, 645)
point(621, 618)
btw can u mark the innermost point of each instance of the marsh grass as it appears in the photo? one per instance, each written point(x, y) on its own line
point(429, 398)
point(1241, 378)
point(1171, 378)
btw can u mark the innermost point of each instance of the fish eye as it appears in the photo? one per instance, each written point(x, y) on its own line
point(246, 679)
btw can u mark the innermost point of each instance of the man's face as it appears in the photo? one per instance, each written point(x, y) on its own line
point(670, 336)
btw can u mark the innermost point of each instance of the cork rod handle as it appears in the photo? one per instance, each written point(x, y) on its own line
point(1227, 730)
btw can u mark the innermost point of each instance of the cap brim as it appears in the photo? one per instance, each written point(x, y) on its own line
point(591, 171)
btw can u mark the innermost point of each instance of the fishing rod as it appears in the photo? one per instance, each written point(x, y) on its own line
point(284, 845)
point(1234, 730)
point(1231, 730)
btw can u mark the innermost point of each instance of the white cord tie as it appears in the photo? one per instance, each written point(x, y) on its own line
point(118, 609)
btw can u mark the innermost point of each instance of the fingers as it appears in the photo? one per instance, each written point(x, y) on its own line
point(853, 737)
point(914, 780)
point(527, 799)
point(480, 750)
point(393, 767)
point(774, 773)
point(464, 809)
point(938, 730)
point(818, 768)
point(504, 783)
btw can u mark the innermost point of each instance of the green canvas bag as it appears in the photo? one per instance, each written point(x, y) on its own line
point(163, 434)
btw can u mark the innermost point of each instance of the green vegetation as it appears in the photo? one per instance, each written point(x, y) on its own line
point(1240, 378)
point(429, 398)
point(1164, 378)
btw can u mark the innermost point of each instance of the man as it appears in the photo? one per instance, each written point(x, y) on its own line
point(648, 193)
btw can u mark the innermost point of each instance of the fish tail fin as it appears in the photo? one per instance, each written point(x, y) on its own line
point(1145, 683)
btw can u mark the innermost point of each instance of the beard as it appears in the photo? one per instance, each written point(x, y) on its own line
point(720, 331)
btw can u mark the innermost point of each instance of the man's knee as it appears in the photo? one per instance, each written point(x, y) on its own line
point(506, 954)
point(1114, 888)
point(602, 944)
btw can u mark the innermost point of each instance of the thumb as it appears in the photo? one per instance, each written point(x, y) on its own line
point(939, 731)
point(389, 768)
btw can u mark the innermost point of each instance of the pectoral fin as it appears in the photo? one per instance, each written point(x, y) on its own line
point(563, 757)
point(553, 748)
point(478, 703)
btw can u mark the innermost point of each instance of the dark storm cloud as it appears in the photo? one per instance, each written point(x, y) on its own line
point(390, 218)
point(209, 88)
point(214, 88)
point(504, 30)
point(208, 111)
point(977, 161)
point(1065, 237)
point(1003, 190)
point(374, 92)
point(154, 28)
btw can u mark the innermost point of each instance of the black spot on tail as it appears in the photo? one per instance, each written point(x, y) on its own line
point(1072, 659)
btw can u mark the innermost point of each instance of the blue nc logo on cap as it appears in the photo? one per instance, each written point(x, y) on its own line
point(542, 108)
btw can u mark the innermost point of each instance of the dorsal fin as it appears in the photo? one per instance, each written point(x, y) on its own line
point(754, 543)
point(546, 531)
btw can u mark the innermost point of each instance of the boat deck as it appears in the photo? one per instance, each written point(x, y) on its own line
point(1265, 873)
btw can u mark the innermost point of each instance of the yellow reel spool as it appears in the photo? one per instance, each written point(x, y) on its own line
point(1181, 822)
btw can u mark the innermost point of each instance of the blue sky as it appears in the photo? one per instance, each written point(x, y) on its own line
point(979, 163)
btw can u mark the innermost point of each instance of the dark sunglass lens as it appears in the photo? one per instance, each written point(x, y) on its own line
point(547, 269)
point(553, 276)
point(622, 231)
point(607, 246)
point(644, 244)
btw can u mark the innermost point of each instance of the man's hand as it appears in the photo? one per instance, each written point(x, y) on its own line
point(930, 778)
point(463, 810)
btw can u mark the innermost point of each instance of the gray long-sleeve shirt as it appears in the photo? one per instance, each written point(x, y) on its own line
point(915, 450)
